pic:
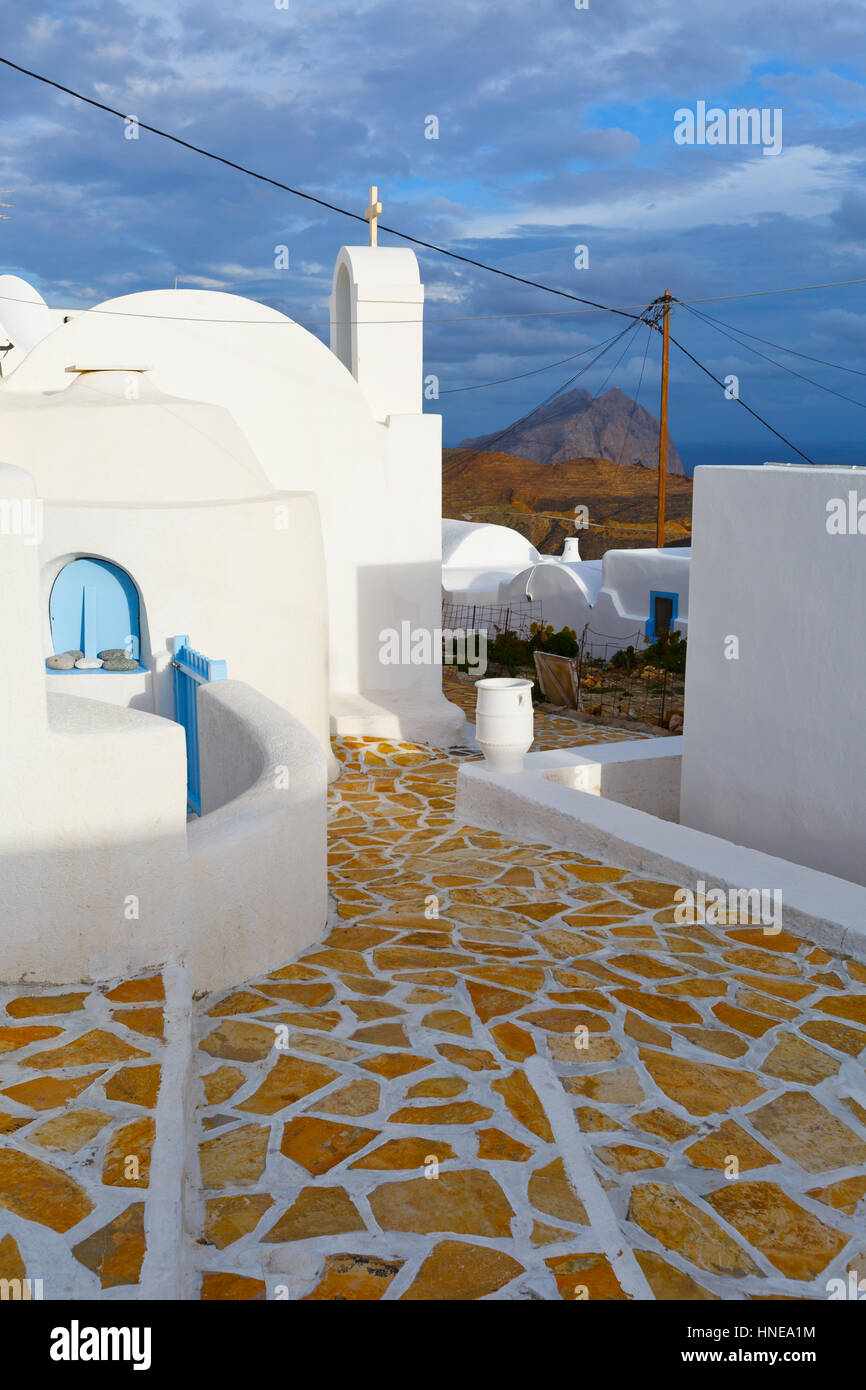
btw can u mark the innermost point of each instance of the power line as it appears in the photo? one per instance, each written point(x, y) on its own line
point(791, 289)
point(790, 370)
point(739, 400)
point(521, 376)
point(305, 323)
point(822, 361)
point(593, 305)
point(404, 236)
point(637, 395)
point(490, 440)
point(309, 197)
point(451, 318)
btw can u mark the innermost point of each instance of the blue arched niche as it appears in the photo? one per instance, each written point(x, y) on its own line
point(94, 605)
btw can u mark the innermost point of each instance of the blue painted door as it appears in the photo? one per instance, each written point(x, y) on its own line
point(94, 605)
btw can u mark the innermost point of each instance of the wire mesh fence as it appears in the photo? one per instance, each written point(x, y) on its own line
point(492, 619)
point(615, 681)
point(608, 678)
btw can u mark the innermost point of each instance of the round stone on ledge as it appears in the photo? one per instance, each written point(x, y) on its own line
point(114, 654)
point(63, 662)
point(119, 663)
point(88, 663)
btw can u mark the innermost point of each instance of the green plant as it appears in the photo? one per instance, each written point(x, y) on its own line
point(669, 651)
point(624, 659)
point(510, 651)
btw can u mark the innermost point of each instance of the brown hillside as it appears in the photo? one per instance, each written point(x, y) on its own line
point(539, 500)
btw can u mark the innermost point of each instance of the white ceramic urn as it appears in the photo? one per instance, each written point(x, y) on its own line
point(504, 726)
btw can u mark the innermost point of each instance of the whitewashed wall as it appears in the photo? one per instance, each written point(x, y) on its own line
point(372, 459)
point(99, 874)
point(244, 590)
point(774, 755)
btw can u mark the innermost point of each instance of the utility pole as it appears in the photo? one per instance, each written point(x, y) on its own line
point(663, 421)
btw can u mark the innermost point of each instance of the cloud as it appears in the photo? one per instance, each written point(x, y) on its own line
point(555, 128)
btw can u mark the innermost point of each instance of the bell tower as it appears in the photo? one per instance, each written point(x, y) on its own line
point(377, 306)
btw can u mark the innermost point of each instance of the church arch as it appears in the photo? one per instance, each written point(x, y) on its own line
point(343, 323)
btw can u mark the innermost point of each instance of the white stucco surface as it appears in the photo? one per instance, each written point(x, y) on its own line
point(245, 589)
point(533, 808)
point(472, 545)
point(242, 403)
point(773, 751)
point(611, 596)
point(257, 869)
point(644, 774)
point(100, 875)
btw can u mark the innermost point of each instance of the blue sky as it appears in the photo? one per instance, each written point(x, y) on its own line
point(555, 130)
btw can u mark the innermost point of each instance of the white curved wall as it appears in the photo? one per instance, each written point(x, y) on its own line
point(102, 876)
point(245, 587)
point(312, 427)
point(92, 842)
point(256, 876)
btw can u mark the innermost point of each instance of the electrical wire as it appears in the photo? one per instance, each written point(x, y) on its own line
point(416, 241)
point(822, 361)
point(636, 396)
point(790, 370)
point(299, 193)
point(491, 440)
point(521, 376)
point(739, 400)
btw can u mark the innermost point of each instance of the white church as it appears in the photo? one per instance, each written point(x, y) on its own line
point(184, 473)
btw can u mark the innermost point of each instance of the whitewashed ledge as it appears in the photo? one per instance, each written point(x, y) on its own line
point(117, 882)
point(544, 805)
point(256, 872)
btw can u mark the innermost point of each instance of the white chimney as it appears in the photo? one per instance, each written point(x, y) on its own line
point(571, 549)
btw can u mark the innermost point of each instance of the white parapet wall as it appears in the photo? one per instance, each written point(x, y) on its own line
point(644, 774)
point(773, 754)
point(104, 878)
point(545, 804)
point(100, 876)
point(258, 856)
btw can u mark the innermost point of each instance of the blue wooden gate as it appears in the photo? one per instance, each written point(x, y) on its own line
point(191, 670)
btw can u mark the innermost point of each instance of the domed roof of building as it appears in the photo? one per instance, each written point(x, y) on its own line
point(469, 544)
point(113, 437)
point(295, 407)
point(24, 314)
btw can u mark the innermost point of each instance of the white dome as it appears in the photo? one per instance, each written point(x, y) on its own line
point(23, 312)
point(113, 436)
point(470, 545)
point(303, 415)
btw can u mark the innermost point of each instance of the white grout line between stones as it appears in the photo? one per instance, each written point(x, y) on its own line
point(601, 1214)
point(163, 1272)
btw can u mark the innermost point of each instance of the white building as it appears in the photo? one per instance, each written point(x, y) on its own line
point(479, 558)
point(189, 463)
point(179, 396)
point(773, 750)
point(619, 600)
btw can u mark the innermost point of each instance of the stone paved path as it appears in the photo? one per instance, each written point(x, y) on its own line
point(391, 1144)
point(367, 1126)
point(79, 1077)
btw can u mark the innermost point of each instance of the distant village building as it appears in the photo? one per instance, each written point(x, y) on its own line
point(626, 598)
